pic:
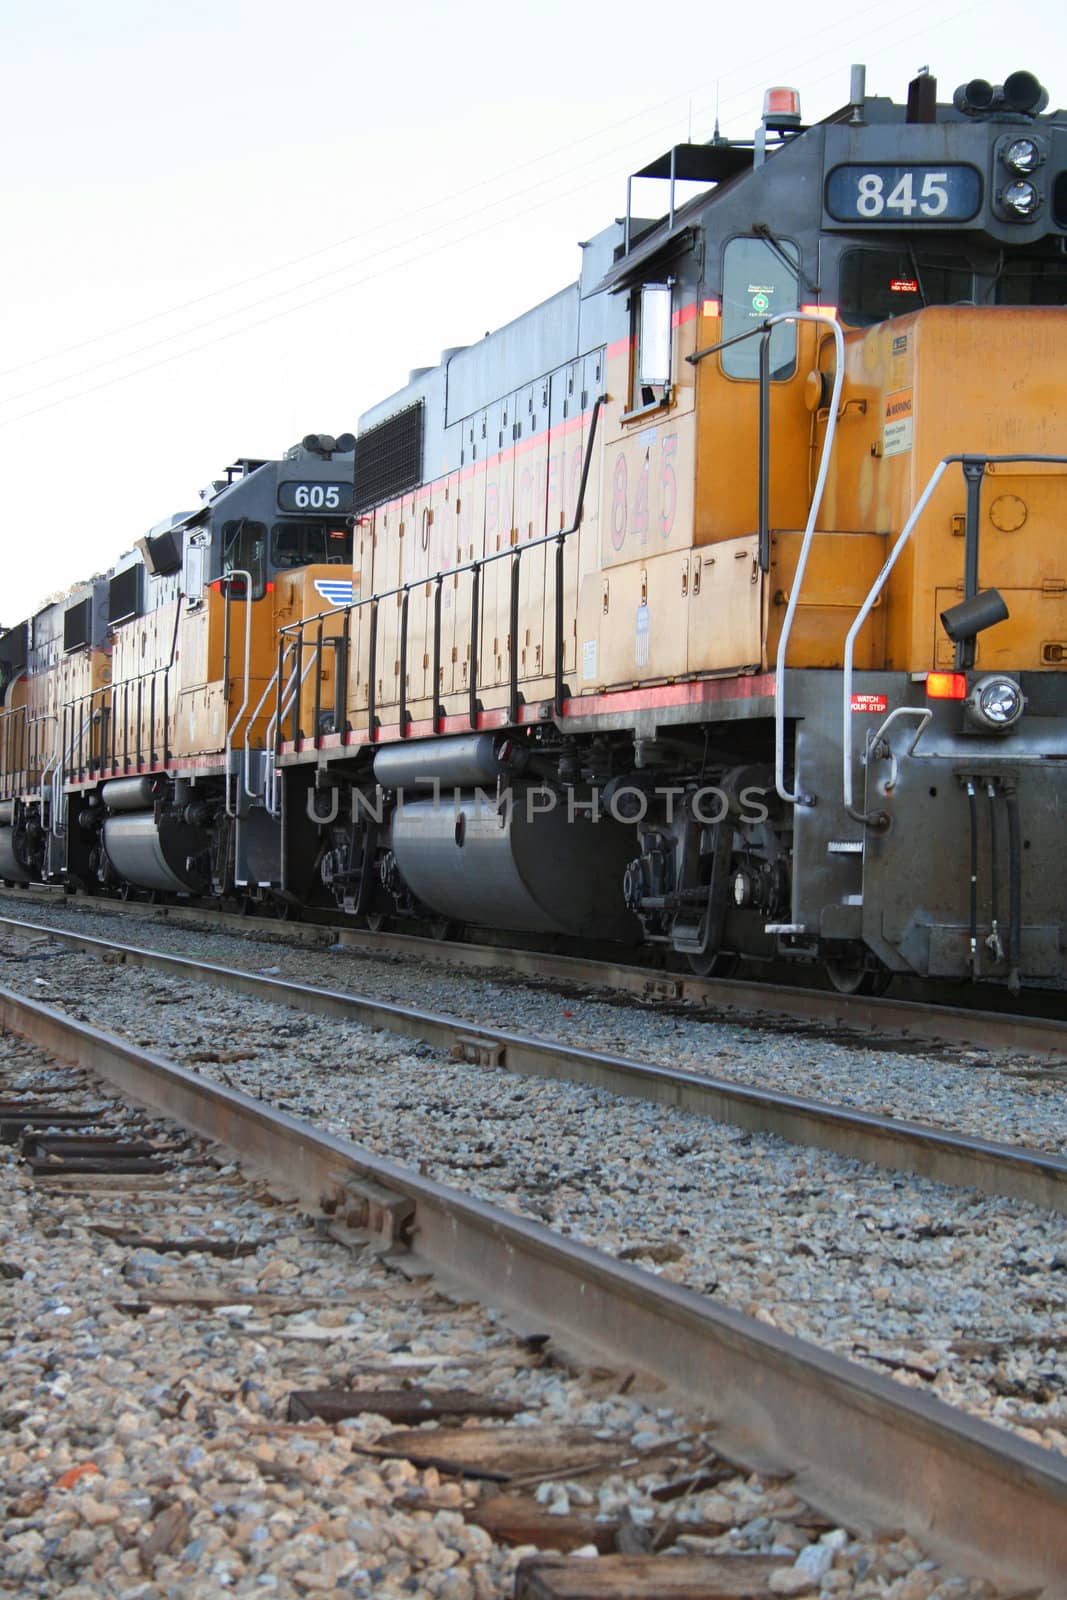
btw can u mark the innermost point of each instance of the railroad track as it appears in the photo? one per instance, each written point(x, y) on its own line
point(1033, 1177)
point(1041, 1035)
point(865, 1450)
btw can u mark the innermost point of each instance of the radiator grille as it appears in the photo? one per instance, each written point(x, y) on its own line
point(389, 458)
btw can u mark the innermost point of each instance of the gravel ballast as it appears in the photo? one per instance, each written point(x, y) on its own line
point(145, 1393)
point(992, 1094)
point(959, 1294)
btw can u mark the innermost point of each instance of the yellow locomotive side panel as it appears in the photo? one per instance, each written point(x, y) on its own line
point(726, 492)
point(965, 367)
point(299, 593)
point(914, 388)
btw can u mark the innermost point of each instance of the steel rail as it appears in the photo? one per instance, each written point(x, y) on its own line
point(748, 999)
point(865, 1449)
point(1033, 1177)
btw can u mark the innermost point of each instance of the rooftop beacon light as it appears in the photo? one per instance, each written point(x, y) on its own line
point(781, 108)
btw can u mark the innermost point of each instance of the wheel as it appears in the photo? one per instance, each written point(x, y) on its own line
point(850, 978)
point(716, 964)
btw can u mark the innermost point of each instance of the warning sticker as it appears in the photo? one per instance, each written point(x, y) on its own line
point(588, 659)
point(870, 702)
point(897, 422)
point(641, 640)
point(899, 363)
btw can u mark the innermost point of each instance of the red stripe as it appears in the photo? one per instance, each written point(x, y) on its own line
point(702, 692)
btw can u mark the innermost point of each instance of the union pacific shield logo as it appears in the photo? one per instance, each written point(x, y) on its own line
point(335, 591)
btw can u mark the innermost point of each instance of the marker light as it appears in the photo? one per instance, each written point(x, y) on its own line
point(781, 105)
point(1020, 197)
point(1022, 155)
point(995, 702)
point(825, 311)
point(946, 686)
point(711, 308)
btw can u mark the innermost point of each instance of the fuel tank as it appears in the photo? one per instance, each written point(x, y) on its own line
point(156, 856)
point(531, 865)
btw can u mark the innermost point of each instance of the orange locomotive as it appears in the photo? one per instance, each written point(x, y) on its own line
point(716, 603)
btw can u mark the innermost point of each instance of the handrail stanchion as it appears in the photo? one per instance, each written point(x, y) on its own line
point(317, 661)
point(476, 608)
point(237, 572)
point(435, 686)
point(372, 672)
point(513, 638)
point(402, 688)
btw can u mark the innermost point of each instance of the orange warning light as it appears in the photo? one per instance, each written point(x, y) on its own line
point(779, 103)
point(946, 686)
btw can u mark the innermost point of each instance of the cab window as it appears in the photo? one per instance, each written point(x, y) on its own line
point(244, 549)
point(1026, 281)
point(876, 285)
point(652, 345)
point(758, 282)
point(303, 544)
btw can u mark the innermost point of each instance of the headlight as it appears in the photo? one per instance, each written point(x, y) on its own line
point(995, 703)
point(1020, 197)
point(1022, 155)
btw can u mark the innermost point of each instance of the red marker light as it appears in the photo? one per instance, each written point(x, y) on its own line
point(779, 103)
point(946, 686)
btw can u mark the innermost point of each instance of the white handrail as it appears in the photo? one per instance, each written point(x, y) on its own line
point(861, 617)
point(805, 546)
point(238, 572)
point(271, 776)
point(255, 794)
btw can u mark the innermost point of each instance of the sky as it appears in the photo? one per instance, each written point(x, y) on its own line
point(228, 224)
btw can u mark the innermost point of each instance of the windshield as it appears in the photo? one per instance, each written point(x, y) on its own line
point(878, 284)
point(305, 543)
point(1026, 281)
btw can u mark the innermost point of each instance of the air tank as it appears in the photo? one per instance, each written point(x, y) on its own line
point(460, 763)
point(131, 794)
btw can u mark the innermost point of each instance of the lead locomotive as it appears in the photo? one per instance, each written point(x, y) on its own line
point(719, 602)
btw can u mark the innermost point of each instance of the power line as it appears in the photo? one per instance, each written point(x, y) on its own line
point(524, 208)
point(505, 175)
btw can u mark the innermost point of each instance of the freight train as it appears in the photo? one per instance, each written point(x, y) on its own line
point(717, 604)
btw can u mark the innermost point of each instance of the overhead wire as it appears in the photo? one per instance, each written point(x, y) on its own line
point(349, 284)
point(505, 175)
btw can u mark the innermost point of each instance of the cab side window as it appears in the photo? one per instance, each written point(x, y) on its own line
point(651, 310)
point(758, 283)
point(244, 549)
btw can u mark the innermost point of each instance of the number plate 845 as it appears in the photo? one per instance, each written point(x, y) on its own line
point(914, 194)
